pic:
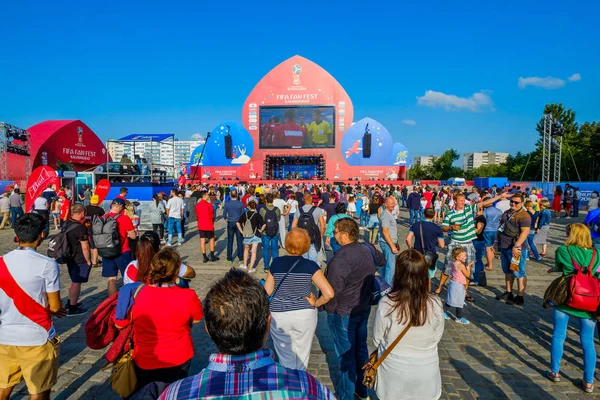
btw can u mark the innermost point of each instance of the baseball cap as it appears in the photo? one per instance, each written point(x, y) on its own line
point(94, 199)
point(118, 201)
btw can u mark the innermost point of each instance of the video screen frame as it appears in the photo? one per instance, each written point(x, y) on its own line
point(263, 124)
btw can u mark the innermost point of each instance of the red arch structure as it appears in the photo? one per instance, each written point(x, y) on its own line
point(62, 141)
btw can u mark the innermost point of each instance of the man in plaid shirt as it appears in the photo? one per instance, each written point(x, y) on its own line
point(237, 318)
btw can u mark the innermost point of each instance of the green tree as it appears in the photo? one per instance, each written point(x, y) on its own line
point(442, 166)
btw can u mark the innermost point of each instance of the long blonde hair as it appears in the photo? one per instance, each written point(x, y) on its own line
point(579, 236)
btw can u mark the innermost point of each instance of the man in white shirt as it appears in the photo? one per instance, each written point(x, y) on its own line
point(174, 216)
point(29, 296)
point(4, 209)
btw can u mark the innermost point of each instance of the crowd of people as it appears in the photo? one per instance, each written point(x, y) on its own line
point(342, 250)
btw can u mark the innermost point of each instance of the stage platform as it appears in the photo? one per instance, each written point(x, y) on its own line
point(256, 182)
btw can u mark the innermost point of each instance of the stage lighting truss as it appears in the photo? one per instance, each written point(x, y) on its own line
point(552, 143)
point(9, 133)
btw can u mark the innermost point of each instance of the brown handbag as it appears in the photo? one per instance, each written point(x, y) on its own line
point(373, 363)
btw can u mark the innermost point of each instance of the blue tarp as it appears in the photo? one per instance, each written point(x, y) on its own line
point(141, 137)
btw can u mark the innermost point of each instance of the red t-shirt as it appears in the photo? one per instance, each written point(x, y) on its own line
point(428, 196)
point(162, 320)
point(205, 215)
point(124, 225)
point(65, 209)
point(245, 199)
point(289, 134)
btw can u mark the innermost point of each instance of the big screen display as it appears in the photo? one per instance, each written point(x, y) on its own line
point(297, 127)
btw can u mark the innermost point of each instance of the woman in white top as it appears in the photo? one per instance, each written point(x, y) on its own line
point(412, 369)
point(284, 210)
point(593, 202)
point(293, 203)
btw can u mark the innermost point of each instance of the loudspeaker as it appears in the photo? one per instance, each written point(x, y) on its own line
point(228, 147)
point(367, 145)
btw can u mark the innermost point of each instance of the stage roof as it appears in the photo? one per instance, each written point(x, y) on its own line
point(142, 137)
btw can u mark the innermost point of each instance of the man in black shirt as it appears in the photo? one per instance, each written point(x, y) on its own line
point(432, 238)
point(90, 211)
point(79, 263)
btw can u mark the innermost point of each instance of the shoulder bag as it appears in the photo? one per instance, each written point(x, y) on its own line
point(373, 363)
point(430, 256)
point(272, 296)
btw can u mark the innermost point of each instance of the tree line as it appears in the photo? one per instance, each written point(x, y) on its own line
point(580, 155)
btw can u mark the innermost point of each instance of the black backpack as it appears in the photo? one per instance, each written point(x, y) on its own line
point(271, 222)
point(307, 222)
point(58, 246)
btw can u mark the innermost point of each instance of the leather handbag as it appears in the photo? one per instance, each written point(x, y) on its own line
point(373, 362)
point(430, 256)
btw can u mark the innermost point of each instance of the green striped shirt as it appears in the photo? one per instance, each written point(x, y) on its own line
point(465, 219)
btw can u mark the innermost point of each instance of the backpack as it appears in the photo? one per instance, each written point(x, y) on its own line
point(105, 233)
point(58, 246)
point(248, 230)
point(272, 222)
point(307, 222)
point(584, 288)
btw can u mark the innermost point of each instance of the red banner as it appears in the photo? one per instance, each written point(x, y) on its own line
point(38, 181)
point(102, 189)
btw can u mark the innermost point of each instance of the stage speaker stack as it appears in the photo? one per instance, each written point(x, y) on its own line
point(228, 146)
point(367, 145)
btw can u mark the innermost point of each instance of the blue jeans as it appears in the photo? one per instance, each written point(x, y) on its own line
point(312, 254)
point(506, 257)
point(174, 223)
point(403, 201)
point(414, 216)
point(350, 342)
point(576, 208)
point(390, 267)
point(270, 248)
point(532, 247)
point(291, 221)
point(421, 214)
point(479, 253)
point(364, 218)
point(587, 328)
point(15, 213)
point(234, 232)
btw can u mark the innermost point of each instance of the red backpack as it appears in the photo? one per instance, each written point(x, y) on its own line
point(584, 289)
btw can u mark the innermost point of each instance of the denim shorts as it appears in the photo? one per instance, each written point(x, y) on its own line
point(506, 256)
point(252, 240)
point(489, 237)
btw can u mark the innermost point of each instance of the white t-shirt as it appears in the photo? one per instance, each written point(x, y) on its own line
point(279, 203)
point(175, 206)
point(4, 204)
point(132, 270)
point(503, 205)
point(593, 203)
point(40, 204)
point(293, 206)
point(37, 275)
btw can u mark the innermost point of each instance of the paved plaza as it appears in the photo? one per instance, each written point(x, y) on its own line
point(502, 354)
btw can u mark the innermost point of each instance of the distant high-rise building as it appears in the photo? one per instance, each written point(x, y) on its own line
point(425, 161)
point(476, 160)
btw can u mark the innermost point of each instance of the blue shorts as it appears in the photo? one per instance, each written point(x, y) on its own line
point(79, 273)
point(252, 240)
point(489, 237)
point(112, 266)
point(506, 256)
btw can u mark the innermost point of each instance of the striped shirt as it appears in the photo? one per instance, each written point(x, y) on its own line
point(291, 294)
point(465, 219)
point(254, 376)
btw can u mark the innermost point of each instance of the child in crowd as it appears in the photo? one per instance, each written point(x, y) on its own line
point(55, 210)
point(135, 219)
point(456, 289)
point(351, 205)
point(437, 207)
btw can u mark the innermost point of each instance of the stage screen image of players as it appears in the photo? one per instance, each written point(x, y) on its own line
point(297, 127)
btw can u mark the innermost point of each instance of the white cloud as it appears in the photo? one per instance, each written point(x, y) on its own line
point(479, 101)
point(197, 136)
point(409, 122)
point(575, 77)
point(548, 82)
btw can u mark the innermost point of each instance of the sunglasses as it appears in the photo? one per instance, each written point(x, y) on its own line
point(515, 202)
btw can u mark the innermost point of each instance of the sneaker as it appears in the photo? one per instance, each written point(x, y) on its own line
point(505, 295)
point(67, 304)
point(567, 217)
point(463, 321)
point(73, 312)
point(446, 316)
point(242, 266)
point(251, 271)
point(168, 244)
point(230, 261)
point(518, 301)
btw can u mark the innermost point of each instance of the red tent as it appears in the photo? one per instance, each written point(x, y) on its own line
point(63, 142)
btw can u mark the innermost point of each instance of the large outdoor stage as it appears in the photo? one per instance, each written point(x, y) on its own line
point(299, 111)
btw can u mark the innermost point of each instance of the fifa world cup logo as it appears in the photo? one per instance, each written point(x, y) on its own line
point(80, 134)
point(296, 71)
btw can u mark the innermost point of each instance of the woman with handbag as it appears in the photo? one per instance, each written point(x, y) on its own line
point(410, 369)
point(292, 304)
point(162, 316)
point(576, 253)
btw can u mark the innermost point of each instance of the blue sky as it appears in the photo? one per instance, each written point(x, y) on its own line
point(436, 74)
